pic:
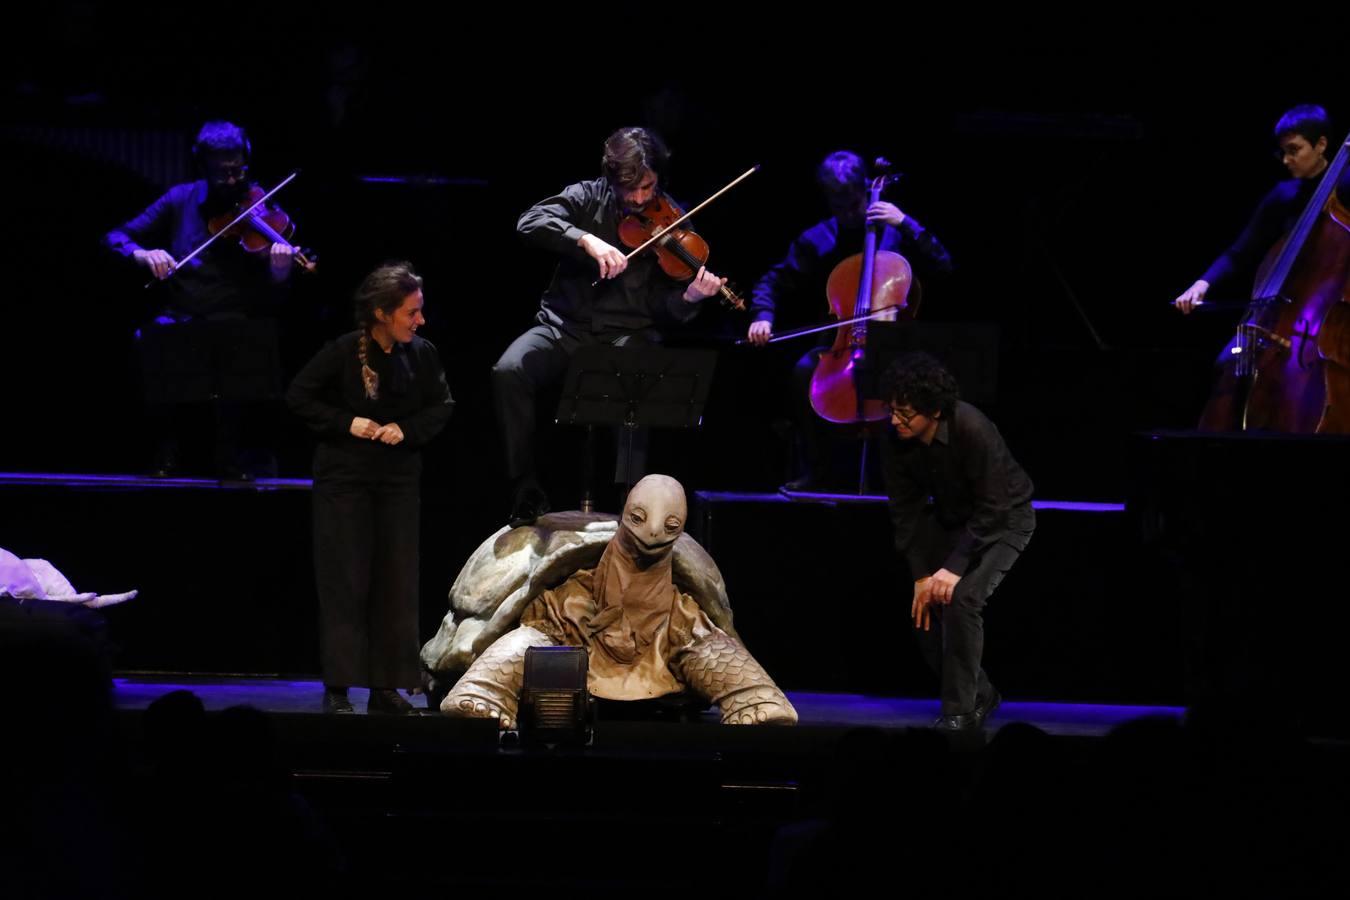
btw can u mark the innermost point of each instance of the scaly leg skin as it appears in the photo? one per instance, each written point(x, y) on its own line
point(721, 669)
point(490, 689)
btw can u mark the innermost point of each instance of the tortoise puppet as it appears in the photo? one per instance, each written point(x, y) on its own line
point(644, 636)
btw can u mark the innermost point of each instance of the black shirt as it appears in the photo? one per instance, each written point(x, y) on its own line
point(222, 281)
point(328, 393)
point(973, 480)
point(639, 298)
point(1274, 217)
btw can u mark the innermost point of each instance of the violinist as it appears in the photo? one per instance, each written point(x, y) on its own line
point(800, 277)
point(214, 335)
point(1302, 135)
point(596, 296)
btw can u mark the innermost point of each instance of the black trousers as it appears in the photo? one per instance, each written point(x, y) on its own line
point(812, 431)
point(536, 360)
point(953, 646)
point(366, 571)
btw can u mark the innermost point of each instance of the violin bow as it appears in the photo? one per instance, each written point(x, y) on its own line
point(662, 233)
point(237, 219)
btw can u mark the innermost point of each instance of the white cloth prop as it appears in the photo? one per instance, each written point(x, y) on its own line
point(37, 579)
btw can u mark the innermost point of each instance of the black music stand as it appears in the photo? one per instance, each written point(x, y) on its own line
point(632, 388)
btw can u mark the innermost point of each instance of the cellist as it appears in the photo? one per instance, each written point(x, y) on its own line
point(800, 277)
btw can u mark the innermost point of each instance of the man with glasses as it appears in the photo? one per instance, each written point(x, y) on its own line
point(961, 545)
point(214, 338)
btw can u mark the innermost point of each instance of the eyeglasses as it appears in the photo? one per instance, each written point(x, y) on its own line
point(225, 173)
point(905, 418)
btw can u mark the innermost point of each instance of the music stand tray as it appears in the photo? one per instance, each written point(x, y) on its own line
point(631, 388)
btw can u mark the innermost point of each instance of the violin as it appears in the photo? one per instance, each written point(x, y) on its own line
point(264, 224)
point(680, 251)
point(645, 231)
point(255, 231)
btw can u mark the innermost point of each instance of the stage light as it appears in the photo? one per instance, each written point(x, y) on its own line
point(555, 706)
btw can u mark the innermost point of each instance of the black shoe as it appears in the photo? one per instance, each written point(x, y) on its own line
point(387, 702)
point(335, 701)
point(531, 503)
point(807, 484)
point(165, 464)
point(984, 708)
point(265, 466)
point(957, 724)
point(973, 720)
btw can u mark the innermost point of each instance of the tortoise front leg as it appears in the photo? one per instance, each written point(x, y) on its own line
point(721, 669)
point(491, 686)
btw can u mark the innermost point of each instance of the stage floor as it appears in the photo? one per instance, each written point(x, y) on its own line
point(131, 692)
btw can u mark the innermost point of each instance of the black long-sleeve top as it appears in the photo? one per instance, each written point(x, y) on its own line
point(803, 272)
point(639, 298)
point(222, 281)
point(974, 482)
point(328, 394)
point(1274, 217)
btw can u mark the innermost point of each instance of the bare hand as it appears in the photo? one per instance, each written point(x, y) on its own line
point(704, 285)
point(389, 434)
point(364, 428)
point(610, 260)
point(281, 256)
point(159, 262)
point(919, 609)
point(1192, 297)
point(881, 211)
point(760, 332)
point(943, 585)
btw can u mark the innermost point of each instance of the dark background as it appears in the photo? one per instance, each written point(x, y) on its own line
point(1081, 174)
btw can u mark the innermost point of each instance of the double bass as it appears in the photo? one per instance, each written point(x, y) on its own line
point(1288, 367)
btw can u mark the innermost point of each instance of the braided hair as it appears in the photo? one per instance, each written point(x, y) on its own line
point(384, 289)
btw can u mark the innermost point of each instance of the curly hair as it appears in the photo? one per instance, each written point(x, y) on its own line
point(920, 381)
point(221, 137)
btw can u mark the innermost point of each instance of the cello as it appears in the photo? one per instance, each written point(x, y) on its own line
point(873, 284)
